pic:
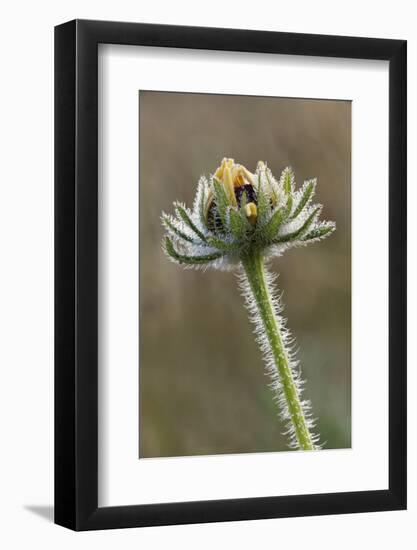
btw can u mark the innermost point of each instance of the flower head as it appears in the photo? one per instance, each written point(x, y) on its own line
point(236, 211)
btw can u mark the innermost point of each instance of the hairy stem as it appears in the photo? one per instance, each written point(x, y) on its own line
point(255, 272)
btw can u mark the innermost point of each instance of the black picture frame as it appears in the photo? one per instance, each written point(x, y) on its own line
point(76, 272)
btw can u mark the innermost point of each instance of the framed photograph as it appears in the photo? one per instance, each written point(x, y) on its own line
point(230, 252)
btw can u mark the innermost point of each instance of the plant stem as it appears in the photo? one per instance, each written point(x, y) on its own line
point(255, 271)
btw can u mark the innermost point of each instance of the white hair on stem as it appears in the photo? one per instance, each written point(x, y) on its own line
point(270, 362)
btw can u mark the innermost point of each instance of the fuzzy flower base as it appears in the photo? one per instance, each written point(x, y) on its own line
point(239, 220)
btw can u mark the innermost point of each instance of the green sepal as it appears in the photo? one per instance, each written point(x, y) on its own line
point(263, 205)
point(180, 234)
point(215, 242)
point(301, 231)
point(271, 228)
point(305, 197)
point(320, 232)
point(239, 224)
point(243, 202)
point(202, 205)
point(222, 201)
point(287, 181)
point(182, 213)
point(190, 260)
point(288, 207)
point(274, 194)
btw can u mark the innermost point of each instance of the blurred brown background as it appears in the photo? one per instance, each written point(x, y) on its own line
point(202, 384)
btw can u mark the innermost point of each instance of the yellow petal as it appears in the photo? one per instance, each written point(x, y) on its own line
point(247, 175)
point(251, 212)
point(238, 176)
point(228, 184)
point(220, 170)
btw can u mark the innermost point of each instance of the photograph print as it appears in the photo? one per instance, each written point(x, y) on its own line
point(245, 274)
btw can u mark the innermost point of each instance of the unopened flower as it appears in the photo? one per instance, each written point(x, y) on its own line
point(236, 211)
